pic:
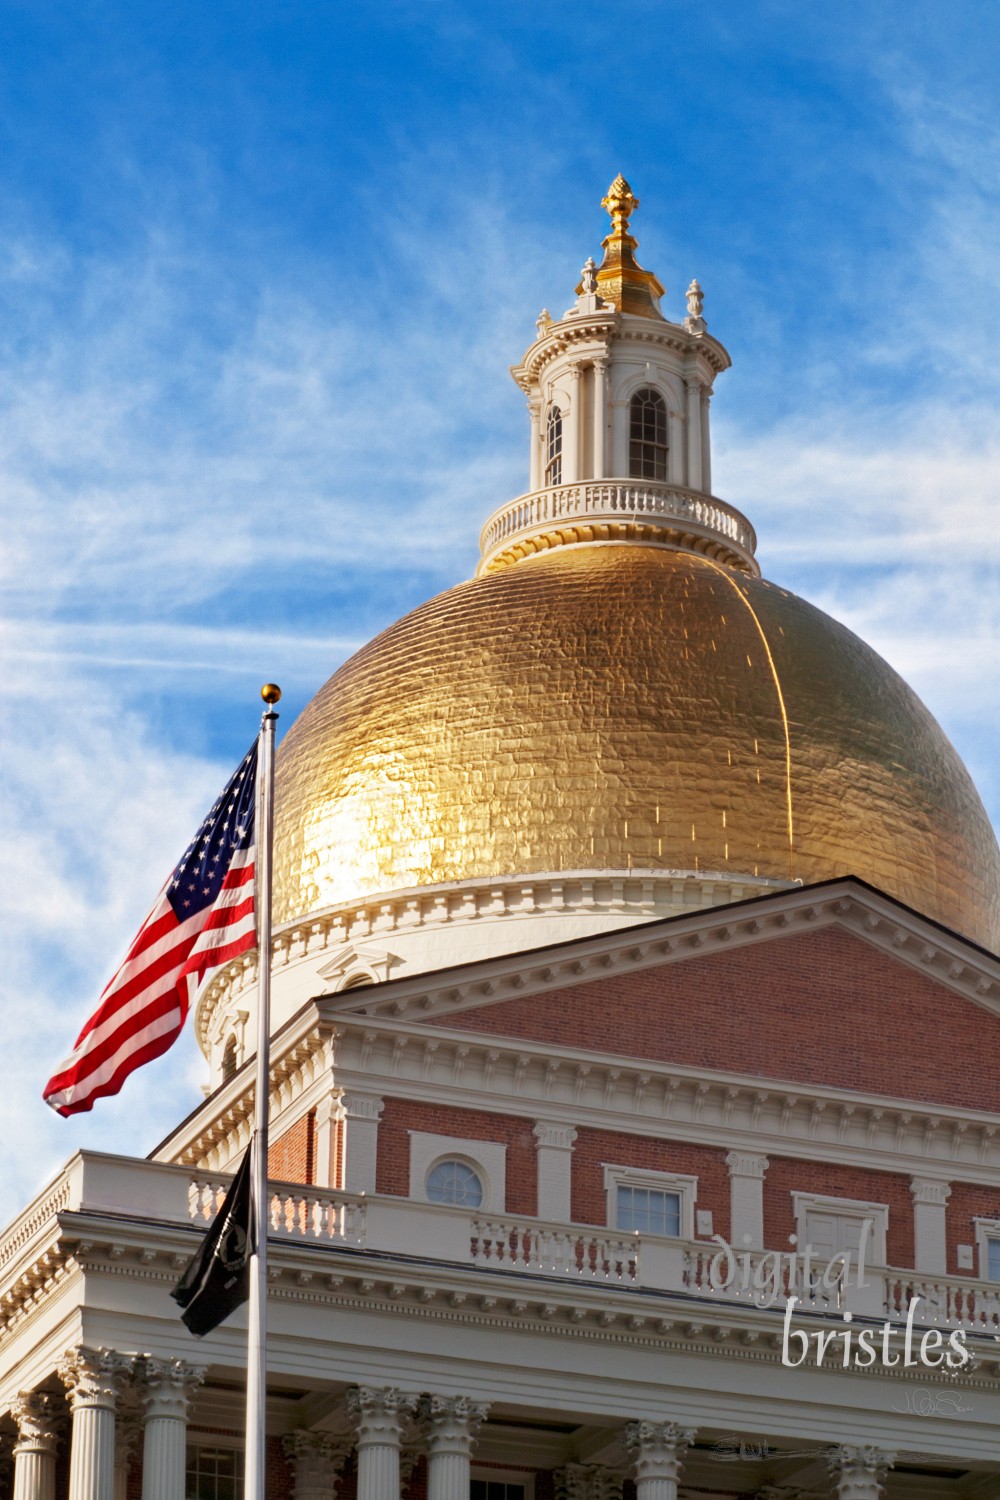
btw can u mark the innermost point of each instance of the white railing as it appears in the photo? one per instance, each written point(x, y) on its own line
point(618, 500)
point(550, 1249)
point(960, 1303)
point(308, 1214)
point(759, 1278)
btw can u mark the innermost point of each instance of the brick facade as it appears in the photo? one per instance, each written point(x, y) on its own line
point(786, 1176)
point(292, 1157)
point(819, 1007)
point(594, 1148)
point(403, 1115)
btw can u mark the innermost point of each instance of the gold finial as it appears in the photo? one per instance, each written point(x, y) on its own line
point(621, 281)
point(621, 203)
point(271, 692)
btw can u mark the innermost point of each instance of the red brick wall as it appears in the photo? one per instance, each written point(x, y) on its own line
point(819, 1007)
point(403, 1115)
point(968, 1201)
point(278, 1471)
point(292, 1157)
point(595, 1147)
point(785, 1176)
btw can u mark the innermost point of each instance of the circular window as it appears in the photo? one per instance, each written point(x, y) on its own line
point(454, 1182)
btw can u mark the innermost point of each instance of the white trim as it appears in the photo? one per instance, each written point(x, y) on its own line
point(986, 1229)
point(804, 1204)
point(684, 1186)
point(488, 1159)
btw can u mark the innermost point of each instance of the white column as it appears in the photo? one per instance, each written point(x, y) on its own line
point(571, 429)
point(360, 1115)
point(381, 1416)
point(706, 442)
point(676, 466)
point(168, 1385)
point(451, 1424)
point(746, 1199)
point(328, 1114)
point(128, 1432)
point(659, 1448)
point(930, 1238)
point(316, 1459)
point(858, 1472)
point(535, 461)
point(39, 1424)
point(694, 434)
point(554, 1155)
point(93, 1378)
point(600, 418)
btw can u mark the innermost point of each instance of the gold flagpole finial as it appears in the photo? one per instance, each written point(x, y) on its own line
point(621, 203)
point(271, 692)
point(621, 281)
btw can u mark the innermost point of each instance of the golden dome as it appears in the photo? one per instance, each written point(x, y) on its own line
point(626, 707)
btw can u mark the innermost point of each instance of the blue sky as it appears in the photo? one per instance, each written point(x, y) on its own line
point(262, 271)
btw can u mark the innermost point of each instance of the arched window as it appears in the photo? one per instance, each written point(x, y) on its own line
point(647, 449)
point(456, 1183)
point(229, 1060)
point(553, 447)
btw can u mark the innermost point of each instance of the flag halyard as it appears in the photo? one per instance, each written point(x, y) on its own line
point(205, 916)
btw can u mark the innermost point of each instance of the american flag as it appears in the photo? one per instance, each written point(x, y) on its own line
point(204, 917)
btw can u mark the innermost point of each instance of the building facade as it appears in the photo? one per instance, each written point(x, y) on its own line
point(636, 1028)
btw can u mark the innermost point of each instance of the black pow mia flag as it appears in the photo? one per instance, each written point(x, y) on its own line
point(217, 1278)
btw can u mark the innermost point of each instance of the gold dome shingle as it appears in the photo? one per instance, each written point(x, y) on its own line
point(626, 707)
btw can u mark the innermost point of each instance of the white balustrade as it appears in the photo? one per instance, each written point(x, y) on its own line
point(613, 500)
point(296, 1212)
point(957, 1302)
point(524, 1245)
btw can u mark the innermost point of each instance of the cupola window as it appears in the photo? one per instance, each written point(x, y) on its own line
point(229, 1060)
point(553, 447)
point(647, 452)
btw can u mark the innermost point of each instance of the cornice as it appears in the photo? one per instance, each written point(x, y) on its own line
point(608, 325)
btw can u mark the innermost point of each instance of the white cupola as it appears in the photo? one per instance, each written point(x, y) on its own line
point(619, 404)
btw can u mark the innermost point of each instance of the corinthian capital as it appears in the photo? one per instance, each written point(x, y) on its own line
point(658, 1448)
point(40, 1421)
point(168, 1386)
point(380, 1413)
point(859, 1471)
point(316, 1459)
point(451, 1423)
point(94, 1377)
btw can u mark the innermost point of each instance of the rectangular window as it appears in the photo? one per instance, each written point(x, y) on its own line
point(649, 1210)
point(495, 1489)
point(993, 1259)
point(214, 1473)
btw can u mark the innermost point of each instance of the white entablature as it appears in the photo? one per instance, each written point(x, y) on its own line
point(618, 393)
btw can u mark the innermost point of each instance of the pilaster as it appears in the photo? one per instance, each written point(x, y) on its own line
point(317, 1459)
point(360, 1115)
point(600, 443)
point(930, 1238)
point(746, 1199)
point(658, 1449)
point(554, 1151)
point(167, 1388)
point(572, 433)
point(693, 416)
point(858, 1472)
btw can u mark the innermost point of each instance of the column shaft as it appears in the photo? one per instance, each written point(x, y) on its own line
point(93, 1378)
point(694, 434)
point(169, 1385)
point(600, 418)
point(38, 1425)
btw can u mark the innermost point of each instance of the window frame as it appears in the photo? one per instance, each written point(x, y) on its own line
point(685, 1186)
point(986, 1230)
point(488, 1159)
point(804, 1204)
point(523, 1477)
point(552, 462)
point(232, 1442)
point(646, 445)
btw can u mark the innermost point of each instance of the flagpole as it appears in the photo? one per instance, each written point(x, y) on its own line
point(256, 1455)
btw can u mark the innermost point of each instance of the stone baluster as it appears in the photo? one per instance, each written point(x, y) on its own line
point(317, 1459)
point(167, 1388)
point(39, 1424)
point(658, 1449)
point(858, 1471)
point(450, 1424)
point(93, 1379)
point(381, 1416)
